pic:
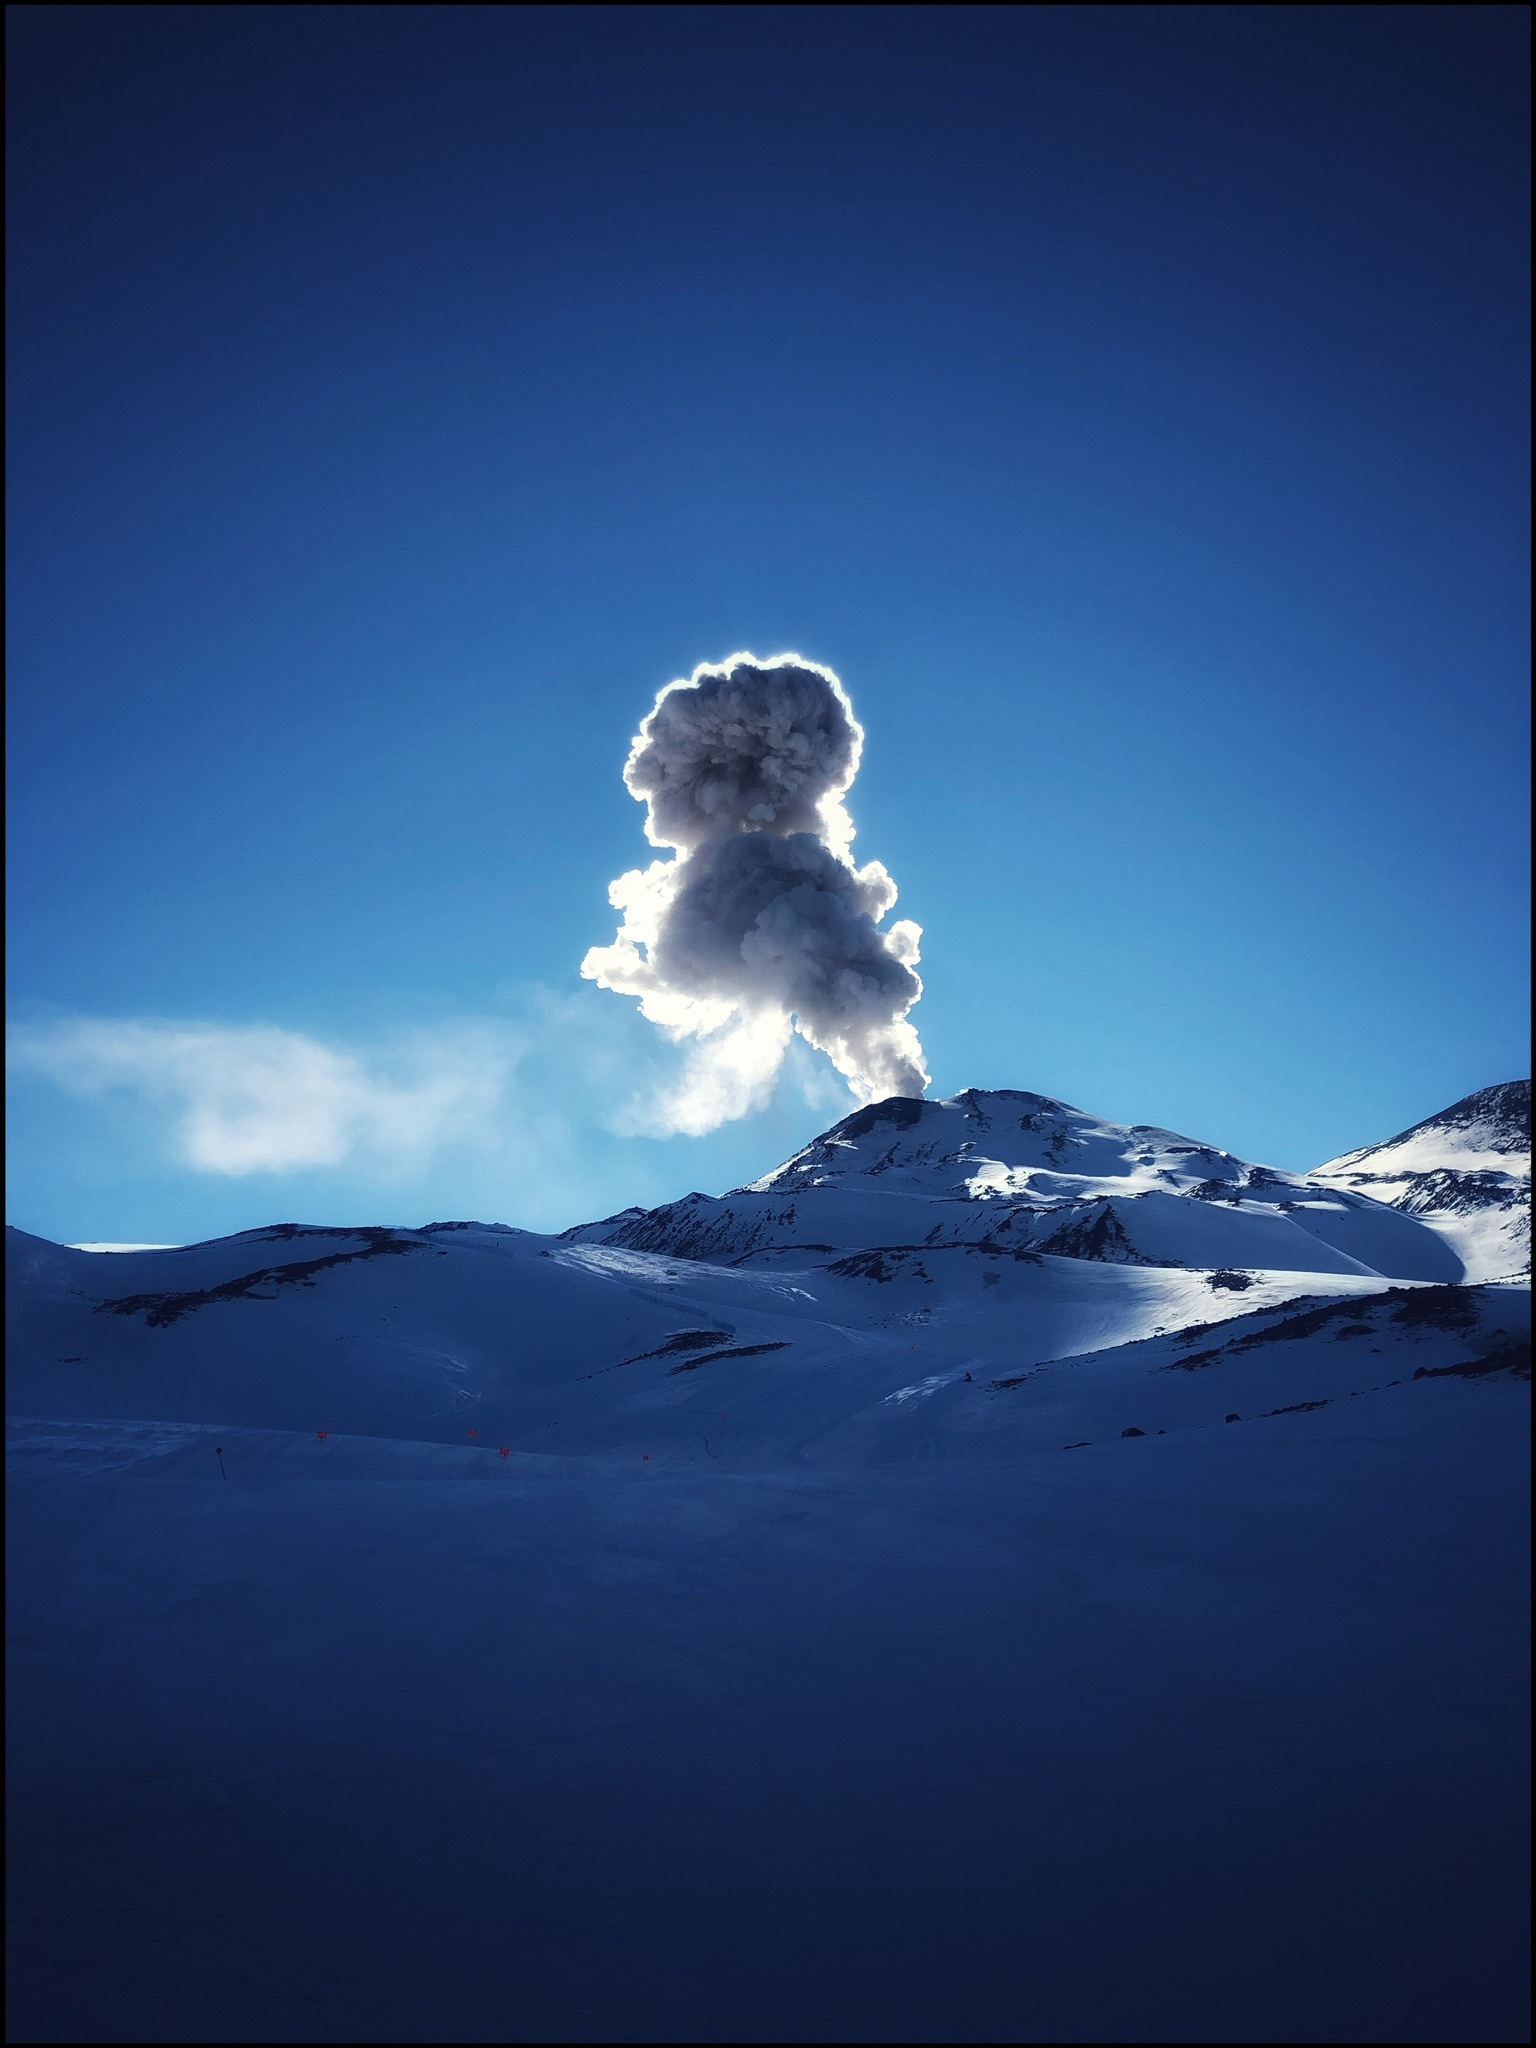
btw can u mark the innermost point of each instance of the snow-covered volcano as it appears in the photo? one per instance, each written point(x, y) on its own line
point(1005, 1173)
point(1465, 1171)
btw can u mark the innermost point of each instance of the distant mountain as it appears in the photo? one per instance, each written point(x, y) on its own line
point(1003, 1172)
point(1465, 1171)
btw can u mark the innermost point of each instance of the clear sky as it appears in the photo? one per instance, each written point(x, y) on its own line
point(1127, 403)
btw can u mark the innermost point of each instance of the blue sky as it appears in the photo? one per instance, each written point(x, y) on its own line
point(1128, 404)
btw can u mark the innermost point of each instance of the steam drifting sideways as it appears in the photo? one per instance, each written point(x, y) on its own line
point(760, 924)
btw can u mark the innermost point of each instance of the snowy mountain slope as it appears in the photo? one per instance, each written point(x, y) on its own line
point(911, 1241)
point(1465, 1171)
point(1298, 1357)
point(391, 1333)
point(430, 1334)
point(1013, 1173)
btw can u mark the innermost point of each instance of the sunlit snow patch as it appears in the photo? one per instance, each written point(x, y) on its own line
point(102, 1247)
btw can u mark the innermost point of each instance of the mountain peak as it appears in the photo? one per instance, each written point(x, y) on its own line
point(977, 1105)
point(1006, 1173)
point(1501, 1116)
point(1468, 1167)
point(1491, 1127)
point(905, 1136)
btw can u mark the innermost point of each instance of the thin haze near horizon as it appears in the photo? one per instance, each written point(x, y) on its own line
point(1128, 406)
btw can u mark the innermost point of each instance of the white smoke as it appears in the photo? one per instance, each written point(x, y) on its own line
point(760, 924)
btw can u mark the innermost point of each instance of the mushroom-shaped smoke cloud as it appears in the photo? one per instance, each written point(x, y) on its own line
point(760, 924)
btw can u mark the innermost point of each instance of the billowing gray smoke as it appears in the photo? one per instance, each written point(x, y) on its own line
point(760, 924)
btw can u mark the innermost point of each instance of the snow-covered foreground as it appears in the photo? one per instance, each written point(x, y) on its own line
point(1209, 1737)
point(1009, 1621)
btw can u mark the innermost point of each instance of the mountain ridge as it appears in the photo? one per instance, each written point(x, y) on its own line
point(1008, 1171)
point(912, 1246)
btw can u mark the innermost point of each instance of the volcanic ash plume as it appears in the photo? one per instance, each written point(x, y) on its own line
point(760, 924)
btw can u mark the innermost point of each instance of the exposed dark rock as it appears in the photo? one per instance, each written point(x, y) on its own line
point(1099, 1235)
point(778, 1251)
point(868, 1266)
point(901, 1110)
point(161, 1310)
point(903, 1263)
point(1021, 1254)
point(1416, 1308)
point(681, 1340)
point(1446, 1190)
point(736, 1351)
point(1511, 1358)
point(1437, 1308)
